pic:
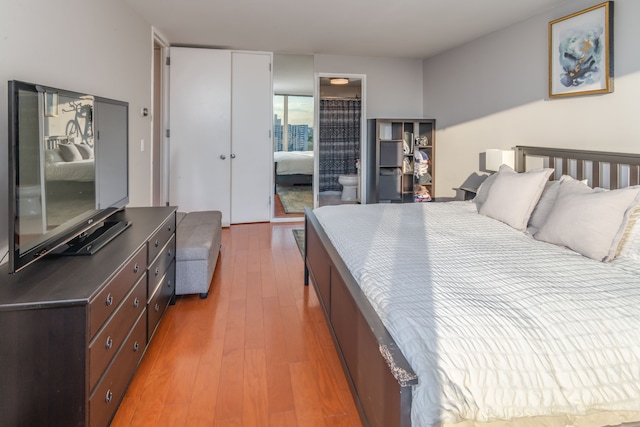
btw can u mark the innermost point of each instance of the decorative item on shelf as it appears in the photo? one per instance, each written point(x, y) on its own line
point(421, 194)
point(422, 141)
point(494, 158)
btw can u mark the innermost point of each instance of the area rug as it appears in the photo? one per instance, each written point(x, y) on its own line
point(295, 198)
point(299, 236)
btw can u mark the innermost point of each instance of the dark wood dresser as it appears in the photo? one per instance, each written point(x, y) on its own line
point(74, 329)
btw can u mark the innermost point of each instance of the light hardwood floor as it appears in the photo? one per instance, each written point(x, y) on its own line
point(256, 352)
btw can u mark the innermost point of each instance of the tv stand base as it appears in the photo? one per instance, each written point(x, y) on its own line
point(90, 242)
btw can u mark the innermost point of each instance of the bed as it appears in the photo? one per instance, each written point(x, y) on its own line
point(444, 315)
point(66, 161)
point(293, 167)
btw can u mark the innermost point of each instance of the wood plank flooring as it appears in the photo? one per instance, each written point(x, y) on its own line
point(256, 352)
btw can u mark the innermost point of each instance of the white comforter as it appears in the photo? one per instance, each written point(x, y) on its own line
point(495, 324)
point(294, 162)
point(80, 170)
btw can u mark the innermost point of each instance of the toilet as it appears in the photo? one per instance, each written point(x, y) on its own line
point(29, 200)
point(349, 187)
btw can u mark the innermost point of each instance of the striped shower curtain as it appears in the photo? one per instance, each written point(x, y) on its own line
point(339, 140)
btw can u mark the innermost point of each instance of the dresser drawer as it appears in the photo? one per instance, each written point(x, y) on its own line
point(161, 237)
point(108, 341)
point(160, 300)
point(106, 397)
point(106, 302)
point(159, 266)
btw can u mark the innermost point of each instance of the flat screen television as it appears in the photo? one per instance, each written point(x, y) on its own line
point(68, 171)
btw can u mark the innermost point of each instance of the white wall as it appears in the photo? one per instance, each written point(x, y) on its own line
point(394, 86)
point(492, 93)
point(102, 48)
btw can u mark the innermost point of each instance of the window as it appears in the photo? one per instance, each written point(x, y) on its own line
point(293, 122)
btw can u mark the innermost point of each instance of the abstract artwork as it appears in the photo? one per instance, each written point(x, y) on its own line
point(581, 52)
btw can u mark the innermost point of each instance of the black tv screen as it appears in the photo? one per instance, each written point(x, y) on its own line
point(68, 167)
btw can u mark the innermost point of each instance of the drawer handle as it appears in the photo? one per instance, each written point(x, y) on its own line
point(169, 253)
point(157, 307)
point(136, 268)
point(169, 228)
point(136, 346)
point(157, 243)
point(109, 343)
point(109, 300)
point(109, 396)
point(169, 283)
point(157, 270)
point(136, 302)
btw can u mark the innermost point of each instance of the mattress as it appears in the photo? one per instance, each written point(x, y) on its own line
point(293, 162)
point(81, 170)
point(497, 325)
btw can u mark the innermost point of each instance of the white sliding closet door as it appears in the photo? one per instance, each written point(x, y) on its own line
point(251, 146)
point(200, 141)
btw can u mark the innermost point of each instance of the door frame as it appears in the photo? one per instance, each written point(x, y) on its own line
point(163, 116)
point(363, 133)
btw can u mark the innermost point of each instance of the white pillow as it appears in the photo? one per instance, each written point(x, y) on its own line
point(53, 156)
point(588, 221)
point(85, 151)
point(483, 191)
point(69, 152)
point(513, 196)
point(629, 246)
point(548, 197)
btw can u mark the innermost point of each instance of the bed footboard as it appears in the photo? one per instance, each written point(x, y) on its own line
point(379, 376)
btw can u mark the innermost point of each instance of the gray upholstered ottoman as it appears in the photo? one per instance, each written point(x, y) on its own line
point(198, 239)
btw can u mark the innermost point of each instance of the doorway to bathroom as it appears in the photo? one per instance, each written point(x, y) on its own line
point(339, 139)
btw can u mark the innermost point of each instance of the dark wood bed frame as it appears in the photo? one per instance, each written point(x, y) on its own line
point(379, 376)
point(295, 179)
point(291, 179)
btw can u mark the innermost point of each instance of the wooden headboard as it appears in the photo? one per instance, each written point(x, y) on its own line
point(52, 142)
point(600, 168)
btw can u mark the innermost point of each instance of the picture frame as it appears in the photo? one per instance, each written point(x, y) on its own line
point(51, 104)
point(581, 52)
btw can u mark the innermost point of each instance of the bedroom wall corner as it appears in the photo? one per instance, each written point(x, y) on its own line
point(492, 93)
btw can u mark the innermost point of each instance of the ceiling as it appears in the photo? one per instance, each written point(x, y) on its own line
point(387, 28)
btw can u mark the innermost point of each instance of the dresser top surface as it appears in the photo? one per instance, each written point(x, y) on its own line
point(67, 280)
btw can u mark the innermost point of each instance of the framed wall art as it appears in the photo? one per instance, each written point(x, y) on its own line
point(581, 52)
point(51, 104)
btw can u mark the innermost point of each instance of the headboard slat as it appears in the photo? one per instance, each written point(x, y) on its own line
point(595, 175)
point(580, 170)
point(634, 171)
point(552, 164)
point(613, 176)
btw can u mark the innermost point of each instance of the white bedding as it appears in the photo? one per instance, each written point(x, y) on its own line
point(294, 162)
point(495, 324)
point(81, 170)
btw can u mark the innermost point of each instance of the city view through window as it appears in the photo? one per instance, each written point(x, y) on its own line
point(293, 123)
